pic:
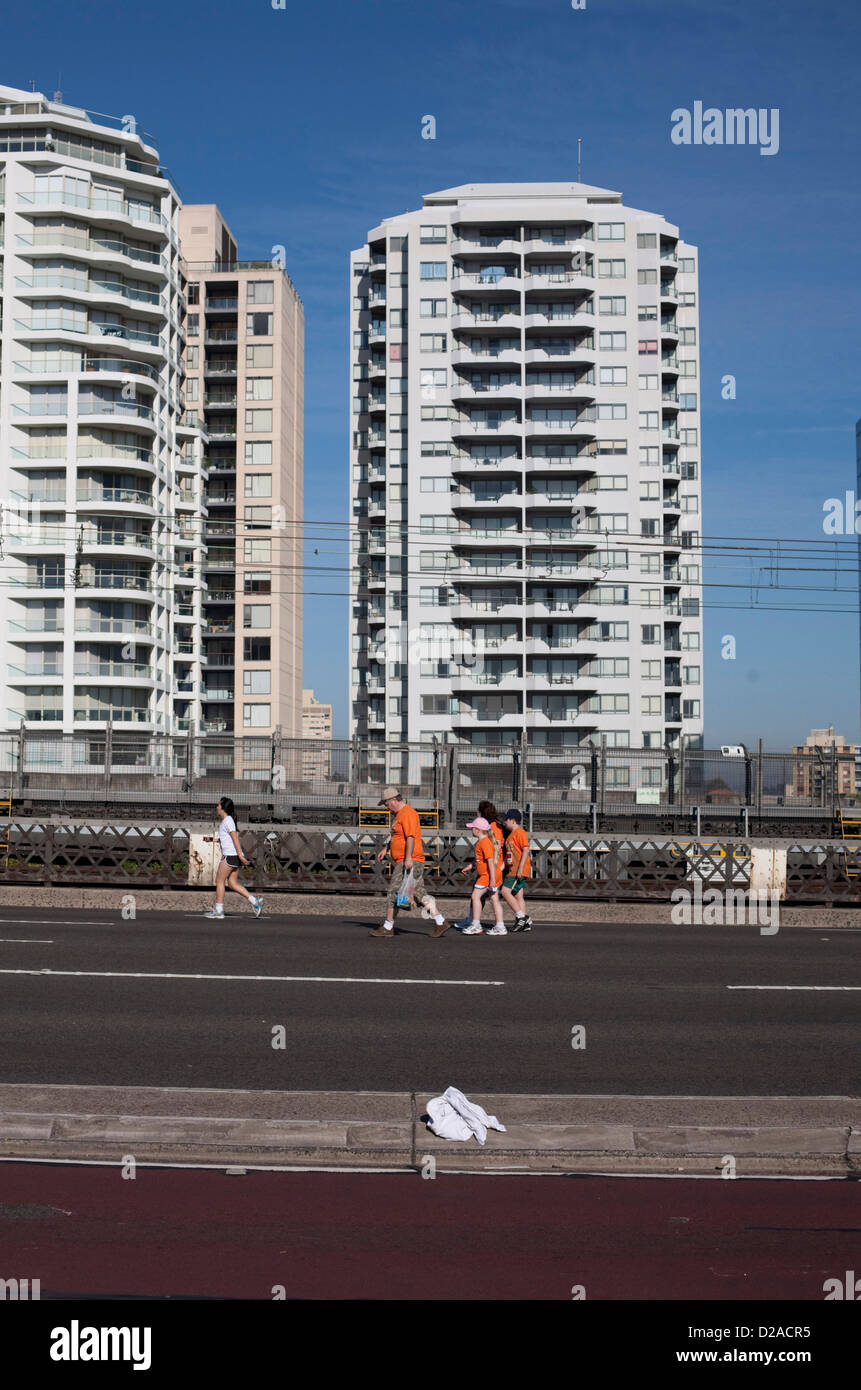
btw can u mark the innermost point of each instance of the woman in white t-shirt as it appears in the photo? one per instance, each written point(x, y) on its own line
point(231, 859)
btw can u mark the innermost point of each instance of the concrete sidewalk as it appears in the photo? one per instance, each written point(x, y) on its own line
point(817, 1136)
point(191, 902)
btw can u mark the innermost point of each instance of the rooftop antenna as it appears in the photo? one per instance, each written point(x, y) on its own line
point(579, 143)
point(58, 95)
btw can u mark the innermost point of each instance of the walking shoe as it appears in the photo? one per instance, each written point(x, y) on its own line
point(522, 924)
point(463, 923)
point(473, 930)
point(500, 929)
point(383, 931)
point(440, 927)
point(212, 913)
point(258, 906)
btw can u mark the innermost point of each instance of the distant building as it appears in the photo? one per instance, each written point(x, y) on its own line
point(316, 723)
point(816, 774)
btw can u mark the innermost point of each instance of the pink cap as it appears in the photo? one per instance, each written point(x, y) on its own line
point(479, 824)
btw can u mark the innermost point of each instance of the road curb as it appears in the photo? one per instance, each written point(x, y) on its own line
point(707, 1136)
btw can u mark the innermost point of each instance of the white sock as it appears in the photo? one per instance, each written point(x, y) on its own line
point(475, 922)
point(219, 907)
point(389, 926)
point(439, 919)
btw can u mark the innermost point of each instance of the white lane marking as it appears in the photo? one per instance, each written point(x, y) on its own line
point(50, 922)
point(800, 987)
point(274, 979)
point(26, 941)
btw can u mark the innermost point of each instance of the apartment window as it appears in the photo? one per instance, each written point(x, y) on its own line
point(647, 277)
point(649, 455)
point(608, 704)
point(258, 326)
point(192, 325)
point(614, 304)
point(650, 492)
point(649, 526)
point(690, 471)
point(432, 342)
point(258, 421)
point(398, 281)
point(257, 648)
point(650, 705)
point(191, 389)
point(646, 312)
point(690, 709)
point(260, 518)
point(260, 354)
point(258, 454)
point(648, 381)
point(257, 683)
point(436, 412)
point(360, 302)
point(646, 346)
point(650, 564)
point(435, 448)
point(687, 367)
point(433, 270)
point(612, 342)
point(613, 376)
point(611, 231)
point(257, 582)
point(689, 437)
point(611, 446)
point(687, 400)
point(650, 598)
point(687, 299)
point(650, 670)
point(609, 482)
point(690, 608)
point(398, 318)
point(651, 635)
point(398, 386)
point(257, 615)
point(647, 241)
point(687, 265)
point(611, 412)
point(256, 716)
point(430, 524)
point(690, 504)
point(691, 675)
point(257, 552)
point(612, 270)
point(192, 358)
point(439, 704)
point(690, 641)
point(194, 294)
point(434, 597)
point(432, 233)
point(649, 419)
point(435, 484)
point(259, 388)
point(687, 337)
point(433, 377)
point(435, 559)
point(433, 308)
point(261, 292)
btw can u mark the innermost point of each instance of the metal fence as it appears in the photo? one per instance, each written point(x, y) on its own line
point(141, 857)
point(314, 781)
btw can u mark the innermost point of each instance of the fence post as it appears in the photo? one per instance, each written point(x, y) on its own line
point(523, 779)
point(277, 757)
point(109, 757)
point(453, 789)
point(682, 773)
point(759, 778)
point(354, 768)
point(671, 777)
point(22, 745)
point(602, 776)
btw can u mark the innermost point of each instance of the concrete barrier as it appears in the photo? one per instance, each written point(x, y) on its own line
point(203, 859)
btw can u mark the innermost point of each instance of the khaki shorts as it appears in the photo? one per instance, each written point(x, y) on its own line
point(397, 879)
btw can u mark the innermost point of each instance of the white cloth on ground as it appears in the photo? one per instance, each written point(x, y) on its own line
point(452, 1116)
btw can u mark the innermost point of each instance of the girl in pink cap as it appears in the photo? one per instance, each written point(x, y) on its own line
point(488, 863)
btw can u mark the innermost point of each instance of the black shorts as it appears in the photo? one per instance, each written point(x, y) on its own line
point(233, 860)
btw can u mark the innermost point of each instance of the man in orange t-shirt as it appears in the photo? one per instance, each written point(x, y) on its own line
point(405, 847)
point(518, 867)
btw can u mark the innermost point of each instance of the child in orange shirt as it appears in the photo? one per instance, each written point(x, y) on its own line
point(518, 867)
point(488, 862)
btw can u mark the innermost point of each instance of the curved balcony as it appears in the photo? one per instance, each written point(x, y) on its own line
point(462, 462)
point(486, 246)
point(485, 391)
point(562, 278)
point(566, 245)
point(465, 357)
point(485, 322)
point(54, 240)
point(470, 502)
point(580, 388)
point(79, 364)
point(88, 292)
point(509, 428)
point(467, 281)
point(95, 410)
point(570, 317)
point(114, 457)
point(583, 426)
point(567, 351)
point(68, 323)
point(104, 211)
point(90, 497)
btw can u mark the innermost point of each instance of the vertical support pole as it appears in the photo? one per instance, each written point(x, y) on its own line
point(109, 758)
point(759, 779)
point(602, 778)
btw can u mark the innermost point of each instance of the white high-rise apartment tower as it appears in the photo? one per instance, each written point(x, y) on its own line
point(525, 473)
point(100, 479)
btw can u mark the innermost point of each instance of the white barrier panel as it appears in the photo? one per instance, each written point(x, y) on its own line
point(768, 873)
point(203, 860)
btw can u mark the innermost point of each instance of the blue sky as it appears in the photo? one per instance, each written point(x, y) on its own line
point(304, 125)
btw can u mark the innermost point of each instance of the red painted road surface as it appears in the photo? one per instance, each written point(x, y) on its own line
point(88, 1231)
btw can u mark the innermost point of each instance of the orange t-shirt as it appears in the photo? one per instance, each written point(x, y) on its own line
point(407, 823)
point(489, 876)
point(517, 842)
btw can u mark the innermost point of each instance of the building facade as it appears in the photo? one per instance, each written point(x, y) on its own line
point(525, 464)
point(101, 480)
point(825, 765)
point(316, 724)
point(244, 365)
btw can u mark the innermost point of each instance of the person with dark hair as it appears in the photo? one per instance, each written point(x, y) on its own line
point(487, 811)
point(518, 867)
point(232, 857)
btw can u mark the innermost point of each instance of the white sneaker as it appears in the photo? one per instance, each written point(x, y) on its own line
point(474, 929)
point(499, 929)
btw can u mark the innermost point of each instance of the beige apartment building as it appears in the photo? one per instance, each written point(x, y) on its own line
point(244, 365)
point(316, 724)
point(814, 773)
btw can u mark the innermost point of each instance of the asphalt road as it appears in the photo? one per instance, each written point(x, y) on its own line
point(87, 1232)
point(661, 1006)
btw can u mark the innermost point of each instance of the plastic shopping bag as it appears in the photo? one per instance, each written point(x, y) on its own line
point(407, 889)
